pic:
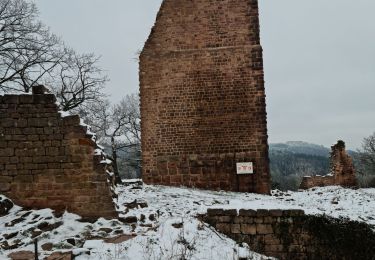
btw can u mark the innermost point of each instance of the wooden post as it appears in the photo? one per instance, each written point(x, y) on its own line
point(36, 248)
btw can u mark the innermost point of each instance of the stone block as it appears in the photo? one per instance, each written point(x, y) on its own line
point(276, 212)
point(224, 228)
point(39, 90)
point(71, 120)
point(248, 229)
point(10, 99)
point(293, 213)
point(225, 219)
point(263, 213)
point(239, 220)
point(230, 212)
point(235, 228)
point(264, 229)
point(215, 212)
point(247, 212)
point(6, 152)
point(4, 185)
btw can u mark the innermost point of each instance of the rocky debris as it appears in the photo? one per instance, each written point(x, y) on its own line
point(57, 214)
point(42, 228)
point(146, 225)
point(88, 220)
point(47, 246)
point(152, 217)
point(45, 226)
point(106, 230)
point(22, 255)
point(14, 222)
point(136, 184)
point(178, 225)
point(71, 241)
point(60, 256)
point(11, 244)
point(5, 206)
point(128, 220)
point(10, 235)
point(35, 233)
point(118, 231)
point(119, 239)
point(27, 213)
point(136, 204)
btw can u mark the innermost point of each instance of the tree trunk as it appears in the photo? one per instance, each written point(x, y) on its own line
point(115, 167)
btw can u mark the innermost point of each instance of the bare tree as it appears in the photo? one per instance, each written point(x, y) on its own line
point(367, 161)
point(28, 51)
point(77, 80)
point(31, 55)
point(117, 125)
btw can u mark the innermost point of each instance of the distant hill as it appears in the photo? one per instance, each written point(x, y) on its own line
point(290, 161)
point(299, 147)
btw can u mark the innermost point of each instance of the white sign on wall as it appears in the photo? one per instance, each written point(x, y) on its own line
point(245, 168)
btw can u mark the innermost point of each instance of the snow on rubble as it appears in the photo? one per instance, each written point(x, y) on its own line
point(158, 222)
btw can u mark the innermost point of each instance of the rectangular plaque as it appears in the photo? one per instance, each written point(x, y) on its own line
point(245, 168)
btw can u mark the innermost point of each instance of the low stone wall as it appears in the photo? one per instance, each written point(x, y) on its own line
point(290, 234)
point(317, 181)
point(47, 161)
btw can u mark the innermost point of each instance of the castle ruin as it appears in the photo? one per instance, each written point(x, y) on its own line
point(50, 161)
point(203, 101)
point(342, 171)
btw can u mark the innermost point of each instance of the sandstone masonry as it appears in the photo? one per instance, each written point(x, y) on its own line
point(203, 98)
point(342, 171)
point(290, 234)
point(47, 161)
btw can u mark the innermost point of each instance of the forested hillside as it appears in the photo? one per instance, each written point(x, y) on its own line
point(290, 161)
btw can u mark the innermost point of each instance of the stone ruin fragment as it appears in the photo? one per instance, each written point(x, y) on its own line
point(342, 170)
point(50, 161)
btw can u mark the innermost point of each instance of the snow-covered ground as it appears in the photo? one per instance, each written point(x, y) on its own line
point(160, 223)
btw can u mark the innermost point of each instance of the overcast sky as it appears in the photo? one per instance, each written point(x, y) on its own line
point(319, 59)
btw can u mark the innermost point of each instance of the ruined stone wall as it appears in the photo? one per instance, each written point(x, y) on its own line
point(290, 234)
point(47, 161)
point(203, 98)
point(342, 171)
point(317, 181)
point(342, 166)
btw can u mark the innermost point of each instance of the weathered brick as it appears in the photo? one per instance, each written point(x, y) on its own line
point(215, 212)
point(248, 229)
point(276, 212)
point(235, 229)
point(264, 229)
point(6, 152)
point(224, 227)
point(263, 213)
point(230, 212)
point(293, 212)
point(247, 212)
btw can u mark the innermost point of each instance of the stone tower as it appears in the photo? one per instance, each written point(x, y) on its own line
point(342, 166)
point(202, 97)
